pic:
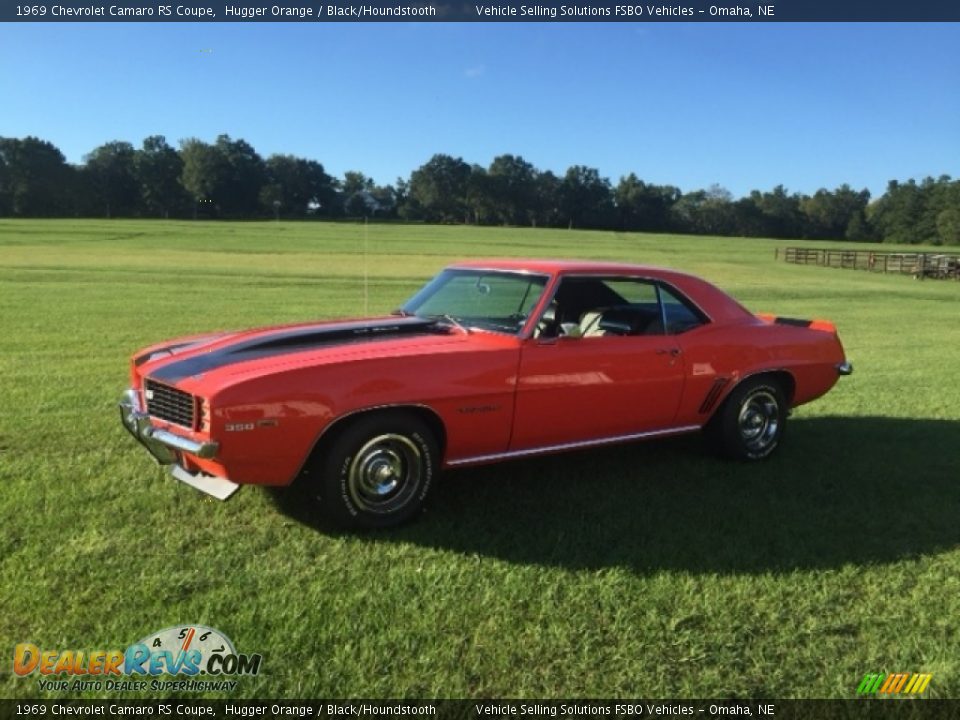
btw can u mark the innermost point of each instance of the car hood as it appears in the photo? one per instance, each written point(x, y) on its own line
point(263, 348)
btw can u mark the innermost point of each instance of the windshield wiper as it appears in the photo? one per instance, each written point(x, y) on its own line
point(452, 321)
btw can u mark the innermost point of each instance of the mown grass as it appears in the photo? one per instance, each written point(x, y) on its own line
point(651, 570)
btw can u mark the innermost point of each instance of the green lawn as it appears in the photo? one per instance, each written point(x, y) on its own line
point(651, 570)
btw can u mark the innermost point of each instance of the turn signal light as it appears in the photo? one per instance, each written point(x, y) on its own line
point(204, 415)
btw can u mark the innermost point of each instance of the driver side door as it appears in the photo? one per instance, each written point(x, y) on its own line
point(606, 384)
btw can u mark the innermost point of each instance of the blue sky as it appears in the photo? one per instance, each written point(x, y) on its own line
point(744, 106)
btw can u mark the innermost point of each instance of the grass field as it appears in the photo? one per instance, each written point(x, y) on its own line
point(650, 570)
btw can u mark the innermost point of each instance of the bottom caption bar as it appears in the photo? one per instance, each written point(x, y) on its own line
point(857, 709)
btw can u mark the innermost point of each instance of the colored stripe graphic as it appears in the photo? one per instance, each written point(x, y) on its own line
point(870, 683)
point(894, 683)
point(923, 679)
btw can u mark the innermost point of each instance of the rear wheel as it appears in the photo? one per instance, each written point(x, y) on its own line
point(376, 472)
point(750, 423)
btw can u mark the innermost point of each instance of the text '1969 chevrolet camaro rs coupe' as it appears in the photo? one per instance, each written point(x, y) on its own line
point(491, 360)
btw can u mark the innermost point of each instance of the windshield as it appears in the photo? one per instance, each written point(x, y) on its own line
point(486, 299)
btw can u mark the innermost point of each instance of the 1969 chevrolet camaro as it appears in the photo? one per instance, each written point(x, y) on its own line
point(489, 361)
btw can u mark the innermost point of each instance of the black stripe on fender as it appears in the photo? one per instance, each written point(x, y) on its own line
point(291, 341)
point(159, 351)
point(712, 394)
point(797, 322)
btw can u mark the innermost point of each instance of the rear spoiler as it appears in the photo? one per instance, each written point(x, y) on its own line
point(823, 325)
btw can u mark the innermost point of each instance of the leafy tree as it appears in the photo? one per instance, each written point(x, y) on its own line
point(238, 192)
point(706, 212)
point(830, 214)
point(356, 192)
point(354, 182)
point(941, 204)
point(644, 207)
point(360, 204)
point(110, 171)
point(439, 187)
point(859, 228)
point(407, 207)
point(300, 186)
point(781, 212)
point(511, 189)
point(948, 226)
point(747, 219)
point(386, 199)
point(399, 190)
point(547, 200)
point(204, 168)
point(229, 178)
point(362, 197)
point(585, 198)
point(6, 195)
point(225, 178)
point(271, 198)
point(36, 178)
point(898, 214)
point(480, 201)
point(157, 168)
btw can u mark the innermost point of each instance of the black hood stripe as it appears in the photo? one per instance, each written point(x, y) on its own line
point(166, 349)
point(298, 340)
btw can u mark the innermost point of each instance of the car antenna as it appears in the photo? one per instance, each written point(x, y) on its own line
point(366, 273)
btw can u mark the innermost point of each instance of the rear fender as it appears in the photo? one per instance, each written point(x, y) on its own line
point(819, 324)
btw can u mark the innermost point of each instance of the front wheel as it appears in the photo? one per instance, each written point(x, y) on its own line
point(751, 422)
point(376, 472)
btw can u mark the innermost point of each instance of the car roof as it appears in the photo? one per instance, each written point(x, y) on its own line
point(711, 299)
point(565, 267)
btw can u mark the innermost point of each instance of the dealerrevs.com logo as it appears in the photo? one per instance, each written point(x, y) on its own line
point(187, 651)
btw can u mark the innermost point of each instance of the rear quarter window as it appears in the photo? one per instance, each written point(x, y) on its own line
point(681, 315)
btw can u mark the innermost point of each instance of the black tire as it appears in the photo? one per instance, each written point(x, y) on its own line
point(376, 472)
point(751, 422)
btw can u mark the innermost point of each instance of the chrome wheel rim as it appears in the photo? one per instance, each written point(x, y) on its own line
point(385, 473)
point(759, 421)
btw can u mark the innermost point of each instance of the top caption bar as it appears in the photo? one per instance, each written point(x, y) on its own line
point(306, 11)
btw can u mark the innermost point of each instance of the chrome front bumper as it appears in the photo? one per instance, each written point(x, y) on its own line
point(164, 446)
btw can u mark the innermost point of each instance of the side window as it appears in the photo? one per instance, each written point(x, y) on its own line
point(617, 306)
point(622, 307)
point(680, 314)
point(634, 292)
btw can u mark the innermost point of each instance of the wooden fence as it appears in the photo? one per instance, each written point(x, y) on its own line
point(919, 265)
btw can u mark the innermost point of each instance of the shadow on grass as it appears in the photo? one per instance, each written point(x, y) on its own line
point(840, 490)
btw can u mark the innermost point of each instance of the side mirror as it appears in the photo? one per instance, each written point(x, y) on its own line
point(570, 330)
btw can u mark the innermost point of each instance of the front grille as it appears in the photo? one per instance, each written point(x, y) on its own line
point(169, 404)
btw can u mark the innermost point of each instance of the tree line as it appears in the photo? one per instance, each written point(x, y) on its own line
point(229, 179)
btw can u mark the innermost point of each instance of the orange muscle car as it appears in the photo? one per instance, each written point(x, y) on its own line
point(491, 360)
